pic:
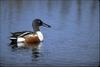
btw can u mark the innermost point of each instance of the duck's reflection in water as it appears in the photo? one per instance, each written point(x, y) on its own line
point(36, 49)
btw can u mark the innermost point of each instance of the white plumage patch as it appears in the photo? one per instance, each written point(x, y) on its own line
point(40, 35)
point(20, 41)
point(20, 44)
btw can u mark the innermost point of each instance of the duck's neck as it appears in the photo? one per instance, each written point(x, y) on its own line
point(40, 35)
point(36, 28)
point(37, 31)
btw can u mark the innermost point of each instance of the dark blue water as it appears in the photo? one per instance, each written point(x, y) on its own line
point(73, 39)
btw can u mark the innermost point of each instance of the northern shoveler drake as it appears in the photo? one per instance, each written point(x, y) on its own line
point(29, 38)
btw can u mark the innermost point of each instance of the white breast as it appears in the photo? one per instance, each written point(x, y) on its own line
point(40, 35)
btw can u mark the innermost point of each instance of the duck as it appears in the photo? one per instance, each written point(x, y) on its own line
point(29, 38)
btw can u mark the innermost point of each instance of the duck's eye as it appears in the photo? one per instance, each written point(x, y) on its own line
point(40, 22)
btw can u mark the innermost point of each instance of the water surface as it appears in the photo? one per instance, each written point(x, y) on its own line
point(73, 39)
